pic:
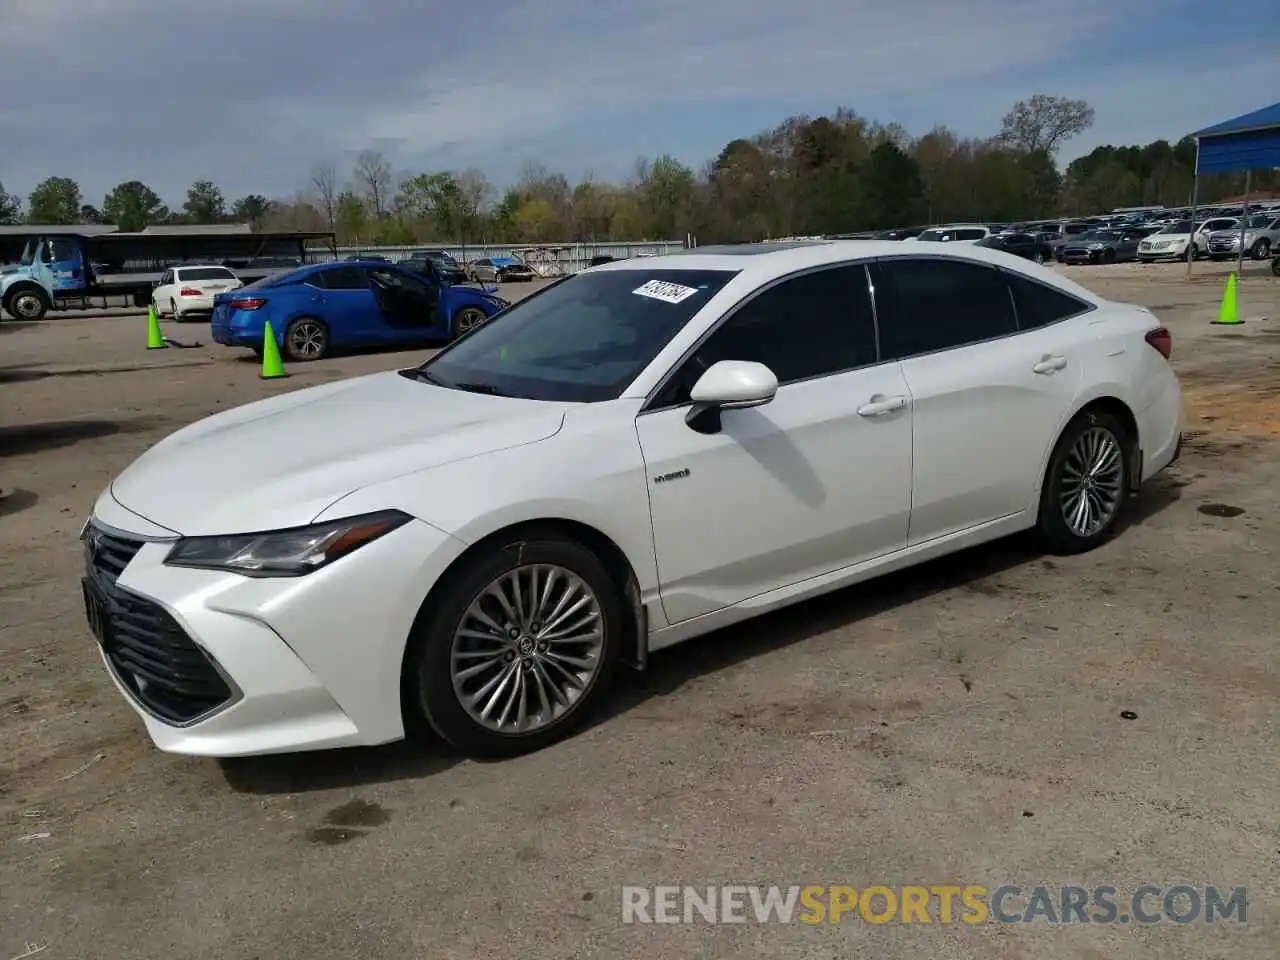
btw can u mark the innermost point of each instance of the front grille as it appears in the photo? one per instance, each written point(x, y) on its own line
point(160, 665)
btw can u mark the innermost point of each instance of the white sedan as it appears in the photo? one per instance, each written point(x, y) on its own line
point(183, 291)
point(634, 456)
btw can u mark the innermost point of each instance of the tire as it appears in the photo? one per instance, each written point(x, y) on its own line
point(1056, 533)
point(26, 304)
point(1262, 249)
point(1039, 257)
point(466, 320)
point(1275, 266)
point(1108, 256)
point(306, 339)
point(432, 693)
point(173, 311)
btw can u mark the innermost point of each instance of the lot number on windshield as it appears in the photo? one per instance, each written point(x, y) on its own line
point(666, 292)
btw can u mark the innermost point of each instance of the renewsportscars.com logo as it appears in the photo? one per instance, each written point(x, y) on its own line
point(938, 903)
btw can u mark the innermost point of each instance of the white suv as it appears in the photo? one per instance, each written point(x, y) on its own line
point(957, 233)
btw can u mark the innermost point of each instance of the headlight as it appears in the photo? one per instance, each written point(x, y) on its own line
point(284, 553)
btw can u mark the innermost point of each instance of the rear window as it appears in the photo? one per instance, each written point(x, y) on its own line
point(205, 273)
point(1039, 304)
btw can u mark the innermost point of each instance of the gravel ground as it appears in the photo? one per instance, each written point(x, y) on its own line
point(996, 717)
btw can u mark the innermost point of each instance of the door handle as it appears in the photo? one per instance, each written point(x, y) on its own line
point(879, 405)
point(1049, 364)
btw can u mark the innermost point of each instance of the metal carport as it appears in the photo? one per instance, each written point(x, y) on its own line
point(1247, 142)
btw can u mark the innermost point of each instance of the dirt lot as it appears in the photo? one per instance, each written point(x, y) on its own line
point(999, 717)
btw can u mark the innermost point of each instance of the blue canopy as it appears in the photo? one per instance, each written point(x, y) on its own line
point(1248, 142)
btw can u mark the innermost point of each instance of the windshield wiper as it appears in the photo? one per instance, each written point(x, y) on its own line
point(485, 388)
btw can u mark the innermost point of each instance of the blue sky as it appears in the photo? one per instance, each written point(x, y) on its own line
point(252, 93)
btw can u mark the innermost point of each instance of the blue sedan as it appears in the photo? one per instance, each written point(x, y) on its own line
point(349, 304)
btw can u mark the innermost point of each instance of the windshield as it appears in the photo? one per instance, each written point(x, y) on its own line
point(205, 273)
point(934, 235)
point(1102, 235)
point(29, 253)
point(1260, 223)
point(443, 258)
point(1182, 226)
point(580, 340)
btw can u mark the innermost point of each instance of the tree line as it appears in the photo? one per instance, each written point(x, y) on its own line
point(830, 174)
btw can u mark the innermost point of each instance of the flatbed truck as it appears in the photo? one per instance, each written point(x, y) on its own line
point(67, 268)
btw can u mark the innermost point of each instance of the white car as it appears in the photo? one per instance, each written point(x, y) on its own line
point(629, 458)
point(183, 291)
point(1170, 242)
point(957, 233)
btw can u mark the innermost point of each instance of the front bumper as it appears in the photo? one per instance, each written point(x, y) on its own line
point(221, 665)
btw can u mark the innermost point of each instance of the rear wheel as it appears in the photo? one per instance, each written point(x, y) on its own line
point(1262, 249)
point(173, 311)
point(1086, 484)
point(519, 646)
point(306, 339)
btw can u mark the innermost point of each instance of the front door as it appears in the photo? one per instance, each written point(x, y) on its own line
point(987, 397)
point(794, 489)
point(408, 304)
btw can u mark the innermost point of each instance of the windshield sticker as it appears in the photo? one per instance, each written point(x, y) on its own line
point(664, 291)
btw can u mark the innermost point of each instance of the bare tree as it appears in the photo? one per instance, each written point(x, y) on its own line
point(324, 184)
point(1044, 123)
point(373, 177)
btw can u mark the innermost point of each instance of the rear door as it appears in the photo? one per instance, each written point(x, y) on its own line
point(987, 397)
point(342, 298)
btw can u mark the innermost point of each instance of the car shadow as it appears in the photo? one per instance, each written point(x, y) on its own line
point(39, 437)
point(424, 756)
point(412, 759)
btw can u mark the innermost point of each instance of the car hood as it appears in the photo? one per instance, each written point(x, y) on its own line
point(280, 462)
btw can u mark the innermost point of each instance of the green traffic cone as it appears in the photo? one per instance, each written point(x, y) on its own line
point(155, 341)
point(1228, 313)
point(272, 365)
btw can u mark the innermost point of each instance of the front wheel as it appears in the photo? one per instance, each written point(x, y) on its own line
point(467, 319)
point(1262, 249)
point(1086, 484)
point(518, 648)
point(306, 339)
point(27, 305)
point(1039, 257)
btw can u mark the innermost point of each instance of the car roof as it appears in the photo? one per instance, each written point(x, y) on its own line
point(759, 263)
point(199, 266)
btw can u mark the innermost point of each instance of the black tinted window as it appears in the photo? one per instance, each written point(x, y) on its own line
point(927, 305)
point(1039, 304)
point(816, 324)
point(341, 278)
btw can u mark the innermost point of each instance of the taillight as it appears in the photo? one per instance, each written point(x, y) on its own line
point(1162, 340)
point(190, 292)
point(250, 304)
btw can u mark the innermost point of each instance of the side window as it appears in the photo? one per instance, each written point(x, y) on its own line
point(341, 278)
point(1039, 304)
point(936, 304)
point(971, 234)
point(395, 279)
point(813, 325)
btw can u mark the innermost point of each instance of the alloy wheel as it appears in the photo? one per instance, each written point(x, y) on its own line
point(307, 340)
point(1092, 482)
point(528, 649)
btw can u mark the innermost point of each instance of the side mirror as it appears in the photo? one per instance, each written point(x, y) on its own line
point(729, 385)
